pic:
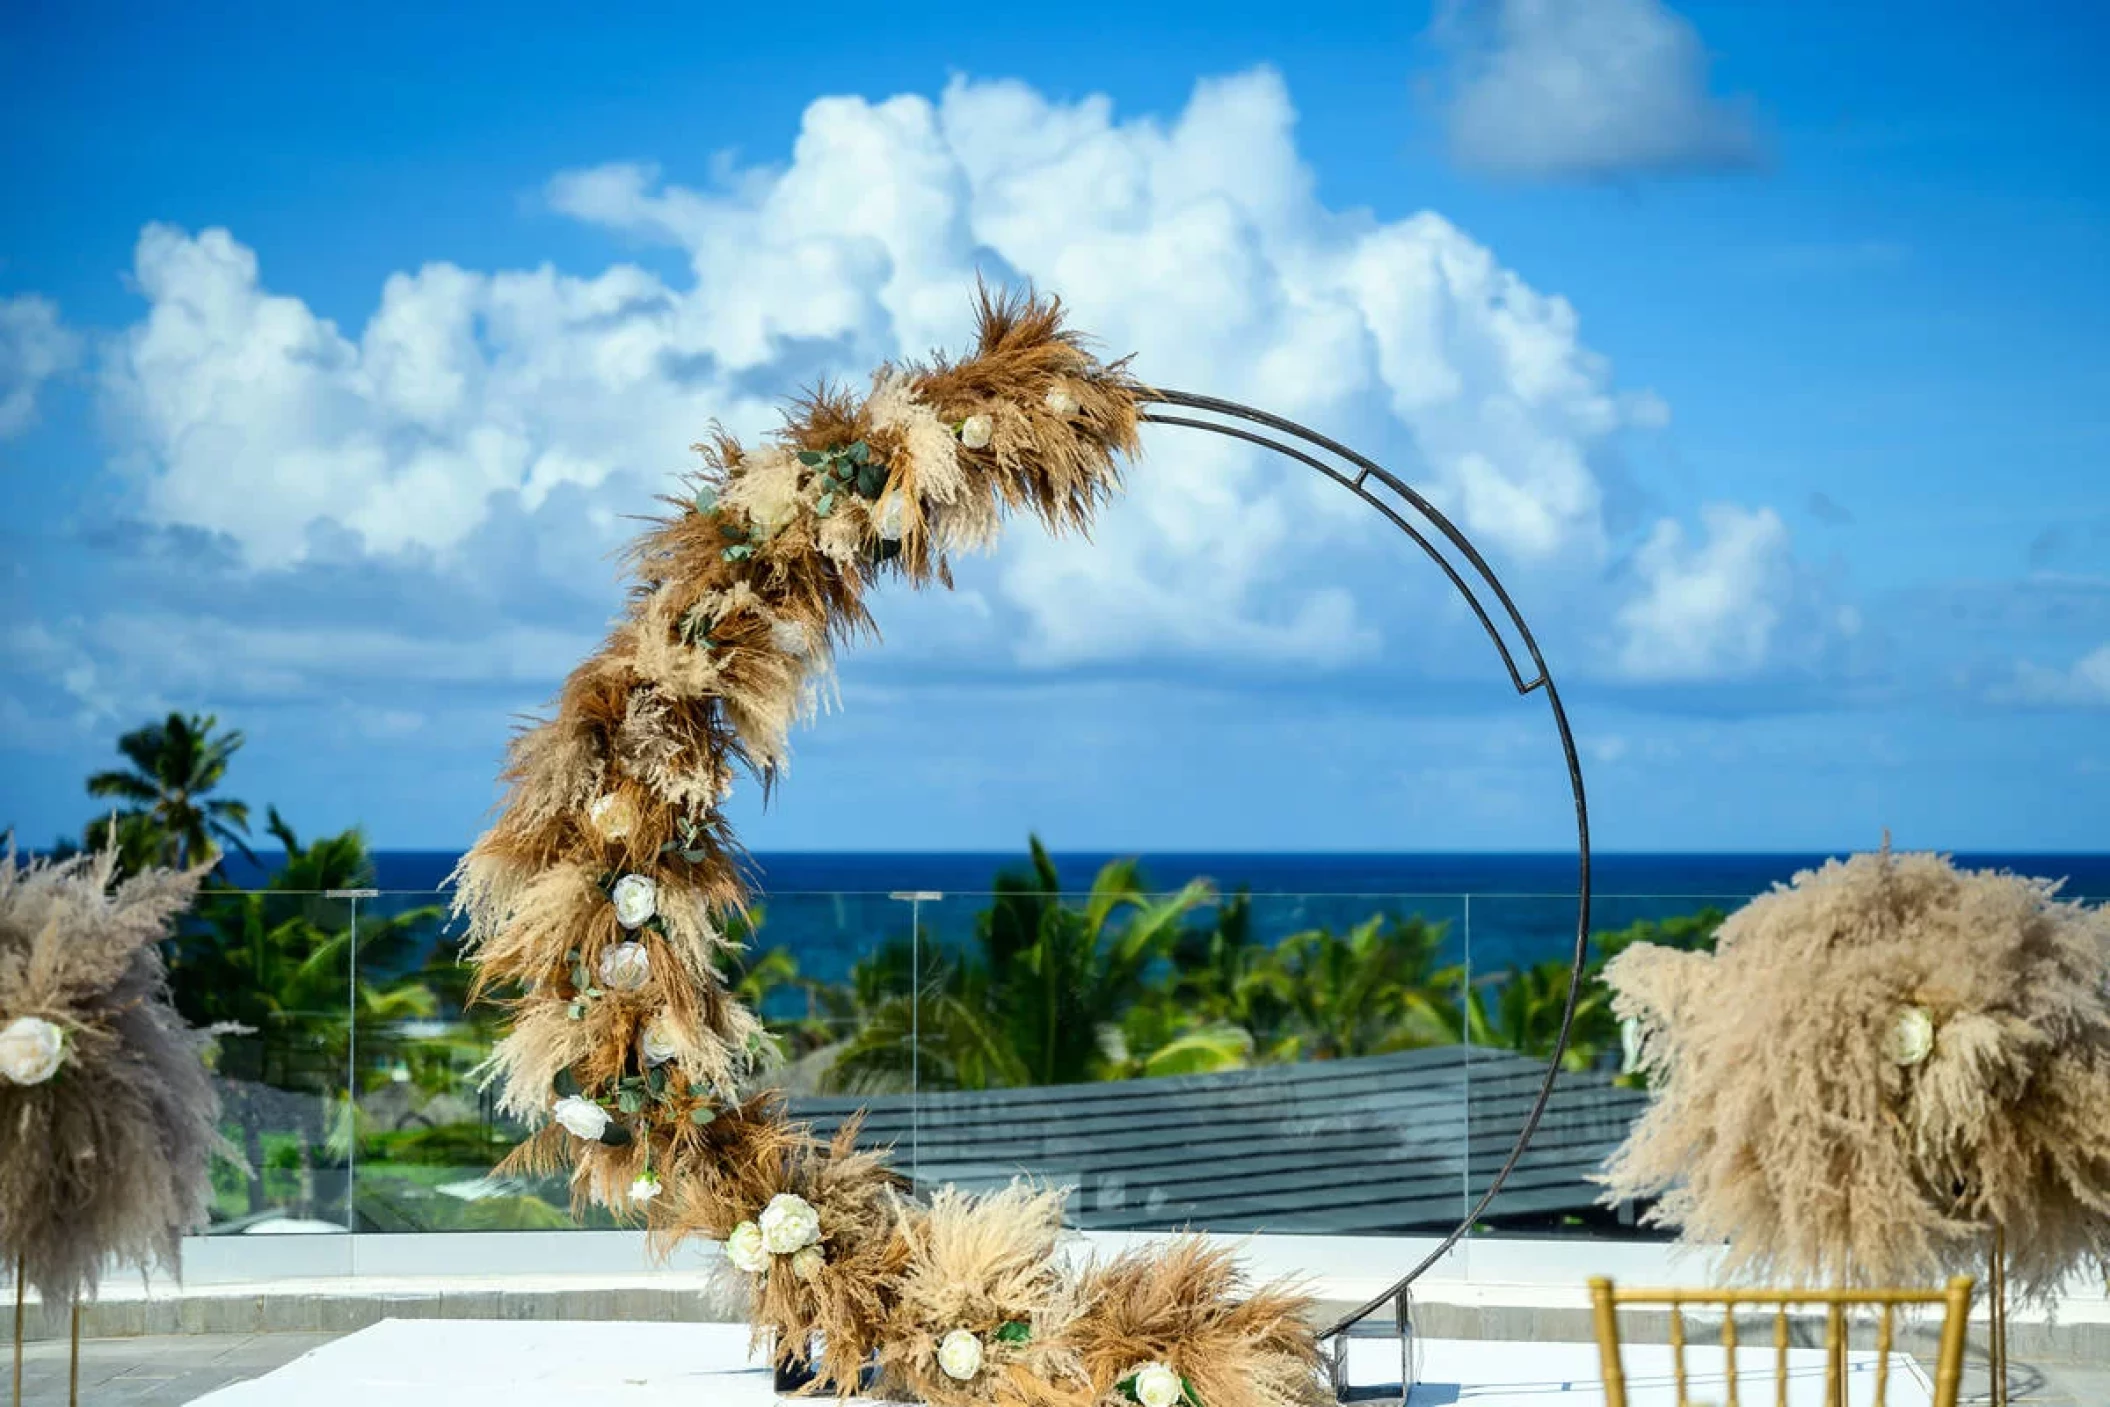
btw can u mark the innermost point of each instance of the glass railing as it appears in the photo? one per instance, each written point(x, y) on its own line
point(1323, 1064)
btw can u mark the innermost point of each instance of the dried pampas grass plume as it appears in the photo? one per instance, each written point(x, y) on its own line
point(742, 592)
point(984, 1265)
point(1880, 1064)
point(1185, 1304)
point(109, 1157)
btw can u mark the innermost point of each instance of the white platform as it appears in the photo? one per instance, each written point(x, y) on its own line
point(489, 1363)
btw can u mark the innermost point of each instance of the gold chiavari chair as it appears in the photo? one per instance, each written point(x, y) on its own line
point(1606, 1302)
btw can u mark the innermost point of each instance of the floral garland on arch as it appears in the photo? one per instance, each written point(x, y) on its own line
point(596, 908)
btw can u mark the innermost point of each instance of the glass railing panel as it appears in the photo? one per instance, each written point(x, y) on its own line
point(273, 969)
point(825, 971)
point(1283, 1063)
point(1522, 952)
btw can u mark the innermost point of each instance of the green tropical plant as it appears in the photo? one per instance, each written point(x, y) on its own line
point(276, 964)
point(1379, 987)
point(1040, 999)
point(176, 766)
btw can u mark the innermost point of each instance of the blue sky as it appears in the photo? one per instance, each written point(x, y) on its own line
point(1759, 349)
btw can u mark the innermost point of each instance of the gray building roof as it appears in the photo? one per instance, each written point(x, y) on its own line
point(1391, 1143)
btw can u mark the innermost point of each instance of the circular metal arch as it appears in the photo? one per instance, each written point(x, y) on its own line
point(1366, 480)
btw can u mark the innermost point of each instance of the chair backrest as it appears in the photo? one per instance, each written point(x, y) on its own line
point(1607, 1301)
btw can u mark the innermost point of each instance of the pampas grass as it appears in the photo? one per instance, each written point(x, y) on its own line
point(1780, 1126)
point(1186, 1305)
point(109, 1158)
point(742, 592)
point(985, 1264)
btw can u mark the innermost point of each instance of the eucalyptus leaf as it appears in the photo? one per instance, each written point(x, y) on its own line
point(702, 1115)
point(629, 1101)
point(615, 1136)
point(826, 505)
point(812, 459)
point(695, 857)
point(566, 1084)
point(706, 499)
point(576, 1011)
point(739, 553)
point(1017, 1331)
point(859, 452)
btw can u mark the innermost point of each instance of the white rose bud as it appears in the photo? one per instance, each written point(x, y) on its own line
point(582, 1116)
point(1158, 1386)
point(789, 1224)
point(960, 1355)
point(645, 1188)
point(1910, 1038)
point(636, 900)
point(745, 1250)
point(612, 814)
point(806, 1264)
point(890, 518)
point(657, 1044)
point(625, 967)
point(1061, 401)
point(31, 1050)
point(976, 431)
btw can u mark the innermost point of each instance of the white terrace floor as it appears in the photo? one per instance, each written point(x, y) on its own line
point(1499, 1314)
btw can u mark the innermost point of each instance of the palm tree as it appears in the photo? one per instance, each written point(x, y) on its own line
point(1378, 988)
point(176, 764)
point(1041, 998)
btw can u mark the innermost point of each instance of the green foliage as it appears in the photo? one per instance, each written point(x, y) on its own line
point(171, 817)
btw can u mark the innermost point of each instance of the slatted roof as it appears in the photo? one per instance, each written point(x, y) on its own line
point(1391, 1143)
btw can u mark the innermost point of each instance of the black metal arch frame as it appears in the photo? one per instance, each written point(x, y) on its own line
point(1236, 421)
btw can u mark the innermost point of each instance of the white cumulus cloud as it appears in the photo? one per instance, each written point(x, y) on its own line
point(2085, 684)
point(1707, 608)
point(34, 347)
point(552, 404)
point(1586, 89)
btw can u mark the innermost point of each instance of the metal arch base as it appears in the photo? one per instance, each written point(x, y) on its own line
point(1357, 474)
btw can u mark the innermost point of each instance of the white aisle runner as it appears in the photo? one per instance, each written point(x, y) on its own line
point(514, 1363)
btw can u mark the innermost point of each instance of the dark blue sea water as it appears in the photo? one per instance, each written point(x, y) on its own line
point(1498, 910)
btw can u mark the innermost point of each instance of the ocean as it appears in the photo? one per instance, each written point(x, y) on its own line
point(1499, 910)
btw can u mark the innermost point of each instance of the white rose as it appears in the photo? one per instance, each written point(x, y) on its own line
point(976, 431)
point(1158, 1386)
point(1910, 1038)
point(772, 493)
point(636, 900)
point(626, 966)
point(960, 1355)
point(1061, 401)
point(789, 1224)
point(807, 1264)
point(31, 1050)
point(657, 1044)
point(612, 815)
point(582, 1116)
point(745, 1250)
point(890, 518)
point(645, 1188)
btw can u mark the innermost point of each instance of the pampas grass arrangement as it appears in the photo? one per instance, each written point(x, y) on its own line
point(1185, 1308)
point(108, 1119)
point(981, 1304)
point(1880, 1065)
point(597, 904)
